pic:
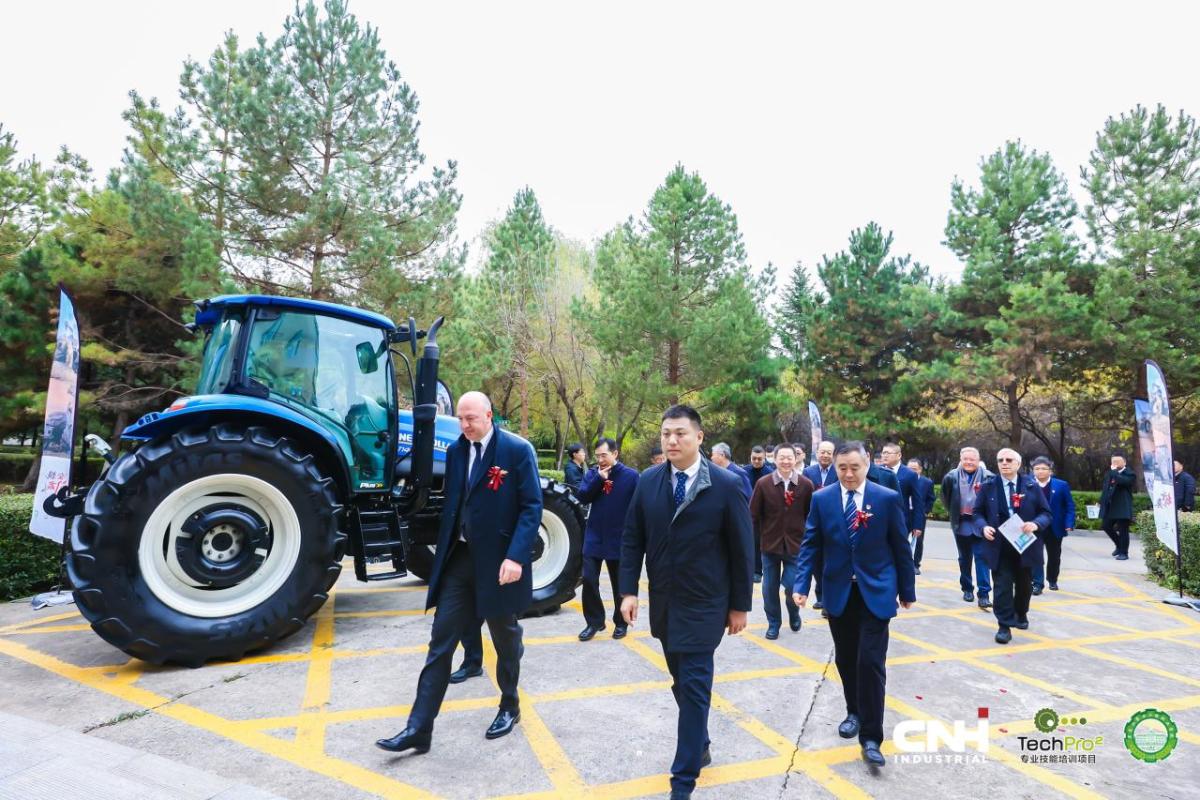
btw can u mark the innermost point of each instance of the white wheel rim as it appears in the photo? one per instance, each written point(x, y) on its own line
point(556, 549)
point(165, 577)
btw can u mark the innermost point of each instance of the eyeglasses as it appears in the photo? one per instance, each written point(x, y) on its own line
point(1006, 459)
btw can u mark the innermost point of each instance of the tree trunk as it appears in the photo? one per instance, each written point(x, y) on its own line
point(30, 482)
point(1014, 416)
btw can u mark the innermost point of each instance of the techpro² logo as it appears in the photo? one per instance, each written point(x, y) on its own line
point(931, 741)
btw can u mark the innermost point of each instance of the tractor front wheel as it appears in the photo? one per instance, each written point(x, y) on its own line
point(206, 545)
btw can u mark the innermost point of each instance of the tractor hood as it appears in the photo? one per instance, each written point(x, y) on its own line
point(446, 433)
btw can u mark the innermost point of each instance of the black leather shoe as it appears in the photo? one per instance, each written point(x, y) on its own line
point(871, 754)
point(849, 727)
point(1114, 552)
point(503, 724)
point(1003, 636)
point(1022, 624)
point(462, 673)
point(984, 603)
point(587, 633)
point(619, 633)
point(1121, 557)
point(773, 632)
point(706, 757)
point(825, 613)
point(407, 739)
point(795, 622)
point(917, 570)
point(1036, 590)
point(757, 579)
point(968, 597)
point(818, 605)
point(1054, 587)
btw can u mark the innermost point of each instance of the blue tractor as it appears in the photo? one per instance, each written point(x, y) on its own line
point(226, 525)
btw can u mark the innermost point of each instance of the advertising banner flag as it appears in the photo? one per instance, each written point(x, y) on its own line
point(818, 430)
point(1153, 418)
point(58, 434)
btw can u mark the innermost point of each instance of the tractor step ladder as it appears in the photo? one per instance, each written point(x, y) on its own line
point(380, 538)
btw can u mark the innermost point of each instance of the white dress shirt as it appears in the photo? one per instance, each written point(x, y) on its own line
point(691, 473)
point(858, 496)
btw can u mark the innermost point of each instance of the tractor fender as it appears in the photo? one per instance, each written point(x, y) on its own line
point(207, 411)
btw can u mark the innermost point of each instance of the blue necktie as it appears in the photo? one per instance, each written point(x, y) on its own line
point(851, 513)
point(680, 488)
point(475, 467)
point(1011, 490)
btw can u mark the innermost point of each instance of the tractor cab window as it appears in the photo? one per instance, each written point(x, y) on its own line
point(218, 357)
point(334, 371)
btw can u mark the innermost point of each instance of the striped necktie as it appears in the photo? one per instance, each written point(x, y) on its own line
point(851, 513)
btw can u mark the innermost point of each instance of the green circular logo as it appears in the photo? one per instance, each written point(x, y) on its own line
point(1046, 720)
point(1151, 735)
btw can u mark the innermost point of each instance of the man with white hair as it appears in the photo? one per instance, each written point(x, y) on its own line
point(722, 456)
point(961, 489)
point(1005, 495)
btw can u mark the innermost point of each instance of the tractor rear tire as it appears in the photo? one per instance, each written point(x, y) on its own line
point(206, 545)
point(558, 552)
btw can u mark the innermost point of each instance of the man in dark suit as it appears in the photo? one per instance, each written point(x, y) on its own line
point(878, 473)
point(689, 522)
point(722, 456)
point(822, 473)
point(576, 466)
point(608, 487)
point(756, 469)
point(1006, 494)
point(1185, 489)
point(491, 518)
point(961, 489)
point(925, 492)
point(909, 482)
point(1116, 505)
point(1062, 521)
point(856, 537)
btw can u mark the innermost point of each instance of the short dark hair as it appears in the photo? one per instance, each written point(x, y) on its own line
point(574, 448)
point(1039, 460)
point(605, 441)
point(655, 451)
point(845, 448)
point(786, 446)
point(770, 448)
point(682, 411)
point(758, 448)
point(1118, 454)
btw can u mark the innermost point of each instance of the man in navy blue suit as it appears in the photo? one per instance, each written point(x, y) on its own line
point(608, 488)
point(722, 456)
point(925, 491)
point(822, 473)
point(856, 539)
point(961, 489)
point(756, 469)
point(490, 520)
point(1006, 494)
point(910, 488)
point(690, 523)
point(1062, 521)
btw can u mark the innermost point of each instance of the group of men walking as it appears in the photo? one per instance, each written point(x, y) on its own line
point(705, 530)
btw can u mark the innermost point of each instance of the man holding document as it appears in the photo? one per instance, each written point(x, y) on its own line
point(1015, 516)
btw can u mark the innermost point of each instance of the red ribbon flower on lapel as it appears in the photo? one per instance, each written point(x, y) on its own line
point(495, 477)
point(789, 497)
point(861, 518)
point(608, 486)
point(978, 487)
point(1016, 500)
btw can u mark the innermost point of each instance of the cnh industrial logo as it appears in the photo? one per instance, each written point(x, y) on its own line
point(919, 741)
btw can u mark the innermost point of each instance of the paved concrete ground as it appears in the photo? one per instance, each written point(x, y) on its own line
point(598, 720)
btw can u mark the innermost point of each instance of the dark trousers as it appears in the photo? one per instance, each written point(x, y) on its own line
point(919, 549)
point(757, 554)
point(452, 622)
point(472, 645)
point(777, 568)
point(971, 547)
point(860, 641)
point(692, 680)
point(593, 605)
point(1049, 572)
point(1118, 531)
point(1014, 587)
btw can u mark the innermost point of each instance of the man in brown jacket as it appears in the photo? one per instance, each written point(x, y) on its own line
point(779, 510)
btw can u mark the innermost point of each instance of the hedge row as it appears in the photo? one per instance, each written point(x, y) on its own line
point(1161, 562)
point(28, 563)
point(15, 466)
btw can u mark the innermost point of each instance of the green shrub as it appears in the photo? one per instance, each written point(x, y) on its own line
point(28, 563)
point(554, 474)
point(1141, 502)
point(1160, 561)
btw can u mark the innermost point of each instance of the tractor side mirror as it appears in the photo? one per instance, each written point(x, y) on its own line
point(445, 400)
point(368, 361)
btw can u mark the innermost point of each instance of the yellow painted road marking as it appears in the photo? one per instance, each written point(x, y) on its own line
point(310, 734)
point(40, 621)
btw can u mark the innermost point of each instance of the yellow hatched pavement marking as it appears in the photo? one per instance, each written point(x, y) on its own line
point(558, 767)
point(786, 748)
point(321, 764)
point(310, 734)
point(41, 621)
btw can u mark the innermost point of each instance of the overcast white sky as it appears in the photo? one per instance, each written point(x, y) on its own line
point(808, 119)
